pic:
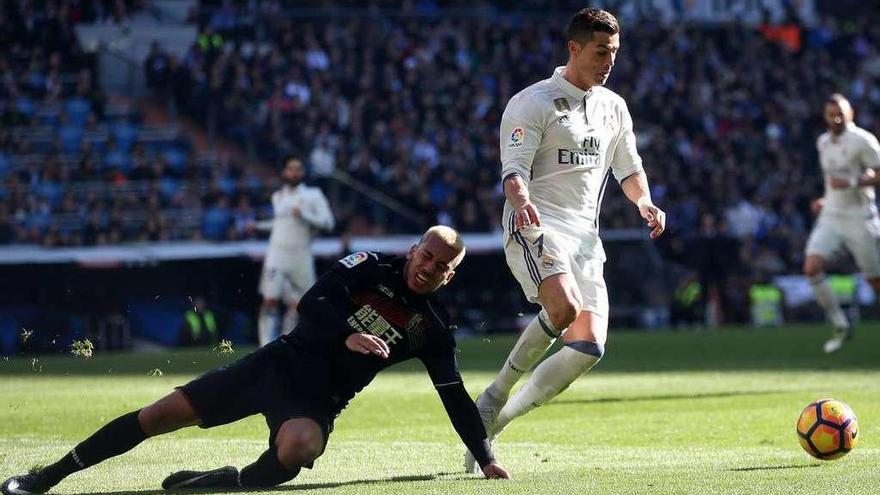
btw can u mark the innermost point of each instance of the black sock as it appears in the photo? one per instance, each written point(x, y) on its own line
point(266, 471)
point(116, 437)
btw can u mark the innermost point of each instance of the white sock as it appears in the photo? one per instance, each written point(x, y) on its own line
point(267, 326)
point(828, 301)
point(291, 317)
point(550, 378)
point(533, 342)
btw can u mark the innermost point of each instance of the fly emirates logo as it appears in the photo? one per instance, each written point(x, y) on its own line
point(588, 155)
point(367, 320)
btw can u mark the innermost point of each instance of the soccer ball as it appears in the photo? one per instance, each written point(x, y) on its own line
point(827, 429)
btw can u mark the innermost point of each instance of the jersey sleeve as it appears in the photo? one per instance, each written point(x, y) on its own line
point(522, 130)
point(317, 211)
point(626, 160)
point(276, 204)
point(870, 152)
point(459, 405)
point(441, 364)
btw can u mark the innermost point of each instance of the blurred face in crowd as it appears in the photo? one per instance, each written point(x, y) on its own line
point(837, 115)
point(592, 61)
point(431, 264)
point(292, 173)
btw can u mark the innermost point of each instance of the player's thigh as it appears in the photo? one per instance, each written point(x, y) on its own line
point(271, 282)
point(589, 274)
point(825, 241)
point(298, 278)
point(240, 389)
point(863, 242)
point(535, 256)
point(559, 293)
point(589, 327)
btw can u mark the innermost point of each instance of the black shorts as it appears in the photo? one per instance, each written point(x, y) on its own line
point(275, 381)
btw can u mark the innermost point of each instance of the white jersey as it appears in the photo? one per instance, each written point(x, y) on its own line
point(848, 156)
point(562, 141)
point(291, 235)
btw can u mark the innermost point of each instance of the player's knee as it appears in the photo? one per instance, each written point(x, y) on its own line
point(589, 348)
point(563, 312)
point(813, 268)
point(298, 446)
point(586, 356)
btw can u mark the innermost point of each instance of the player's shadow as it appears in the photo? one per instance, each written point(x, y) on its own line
point(294, 486)
point(645, 398)
point(771, 468)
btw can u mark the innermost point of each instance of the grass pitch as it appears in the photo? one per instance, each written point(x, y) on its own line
point(664, 413)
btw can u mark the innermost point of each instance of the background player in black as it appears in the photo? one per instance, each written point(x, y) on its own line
point(367, 313)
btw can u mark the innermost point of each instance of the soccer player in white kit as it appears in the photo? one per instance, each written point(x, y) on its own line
point(289, 267)
point(561, 138)
point(849, 156)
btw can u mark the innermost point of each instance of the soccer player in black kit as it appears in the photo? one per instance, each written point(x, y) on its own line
point(367, 313)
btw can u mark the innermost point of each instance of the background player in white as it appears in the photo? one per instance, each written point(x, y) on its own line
point(560, 139)
point(848, 219)
point(289, 267)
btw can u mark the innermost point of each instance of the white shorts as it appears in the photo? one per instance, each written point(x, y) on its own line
point(287, 283)
point(859, 236)
point(535, 253)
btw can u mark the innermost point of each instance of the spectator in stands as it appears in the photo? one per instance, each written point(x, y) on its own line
point(200, 326)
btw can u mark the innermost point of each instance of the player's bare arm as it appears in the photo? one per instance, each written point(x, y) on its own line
point(869, 178)
point(636, 189)
point(517, 194)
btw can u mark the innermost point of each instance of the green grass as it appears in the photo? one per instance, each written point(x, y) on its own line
point(665, 413)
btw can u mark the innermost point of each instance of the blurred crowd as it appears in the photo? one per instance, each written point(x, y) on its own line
point(407, 107)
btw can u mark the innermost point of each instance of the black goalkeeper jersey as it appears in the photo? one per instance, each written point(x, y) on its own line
point(366, 292)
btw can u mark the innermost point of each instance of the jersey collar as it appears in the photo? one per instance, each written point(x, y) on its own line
point(569, 88)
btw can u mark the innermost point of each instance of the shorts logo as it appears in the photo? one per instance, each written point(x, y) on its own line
point(354, 259)
point(517, 137)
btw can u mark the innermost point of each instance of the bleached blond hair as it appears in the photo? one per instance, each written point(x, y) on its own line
point(448, 236)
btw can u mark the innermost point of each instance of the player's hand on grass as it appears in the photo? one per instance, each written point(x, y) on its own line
point(655, 218)
point(525, 215)
point(367, 344)
point(493, 471)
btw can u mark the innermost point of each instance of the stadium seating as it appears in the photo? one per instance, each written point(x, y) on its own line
point(409, 105)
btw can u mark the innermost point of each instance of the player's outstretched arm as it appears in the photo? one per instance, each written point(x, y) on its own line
point(462, 411)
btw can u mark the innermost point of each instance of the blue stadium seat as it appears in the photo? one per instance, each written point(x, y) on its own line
point(71, 137)
point(215, 223)
point(25, 106)
point(118, 159)
point(77, 110)
point(125, 135)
